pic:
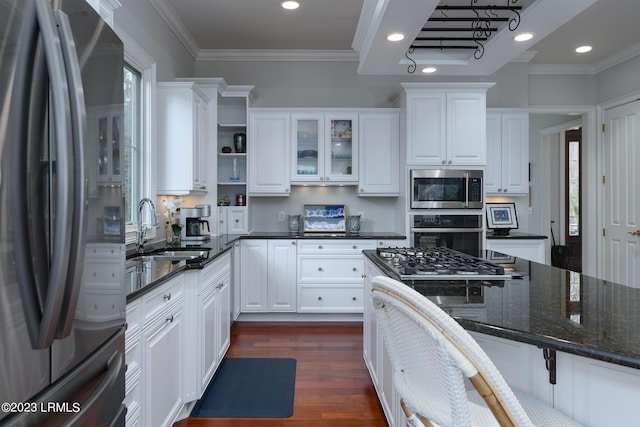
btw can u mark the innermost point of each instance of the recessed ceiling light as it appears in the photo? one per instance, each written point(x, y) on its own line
point(583, 49)
point(429, 70)
point(290, 5)
point(395, 37)
point(524, 37)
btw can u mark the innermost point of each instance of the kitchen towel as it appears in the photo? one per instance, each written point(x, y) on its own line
point(249, 388)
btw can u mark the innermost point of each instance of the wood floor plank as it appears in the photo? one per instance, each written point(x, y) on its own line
point(333, 387)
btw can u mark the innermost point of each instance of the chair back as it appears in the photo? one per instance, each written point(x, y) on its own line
point(432, 355)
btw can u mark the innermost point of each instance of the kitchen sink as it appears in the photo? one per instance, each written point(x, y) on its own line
point(171, 255)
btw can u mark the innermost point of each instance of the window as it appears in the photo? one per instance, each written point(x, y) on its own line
point(132, 142)
point(139, 110)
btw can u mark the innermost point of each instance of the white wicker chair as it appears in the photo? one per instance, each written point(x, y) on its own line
point(432, 354)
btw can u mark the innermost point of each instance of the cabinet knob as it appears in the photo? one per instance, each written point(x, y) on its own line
point(319, 298)
point(326, 178)
point(167, 297)
point(319, 246)
point(355, 247)
point(449, 162)
point(354, 299)
point(504, 190)
point(169, 319)
point(287, 190)
point(355, 269)
point(320, 269)
point(444, 162)
point(237, 221)
point(364, 276)
point(322, 178)
point(499, 190)
point(362, 190)
point(293, 242)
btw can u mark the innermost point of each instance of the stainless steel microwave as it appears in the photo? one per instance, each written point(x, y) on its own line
point(446, 189)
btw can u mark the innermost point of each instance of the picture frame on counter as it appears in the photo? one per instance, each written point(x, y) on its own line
point(501, 217)
point(324, 219)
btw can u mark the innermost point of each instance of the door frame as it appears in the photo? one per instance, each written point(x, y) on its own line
point(601, 108)
point(592, 166)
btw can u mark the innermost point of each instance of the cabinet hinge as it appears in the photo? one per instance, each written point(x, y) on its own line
point(604, 232)
point(604, 127)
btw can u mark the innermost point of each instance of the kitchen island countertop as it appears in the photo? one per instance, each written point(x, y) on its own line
point(557, 309)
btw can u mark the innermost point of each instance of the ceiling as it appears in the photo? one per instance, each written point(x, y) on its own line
point(356, 30)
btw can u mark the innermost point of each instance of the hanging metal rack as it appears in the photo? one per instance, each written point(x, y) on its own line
point(464, 27)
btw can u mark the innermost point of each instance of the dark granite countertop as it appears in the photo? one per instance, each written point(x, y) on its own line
point(362, 235)
point(516, 235)
point(557, 309)
point(141, 277)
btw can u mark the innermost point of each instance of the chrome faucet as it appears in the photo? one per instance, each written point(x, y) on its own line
point(141, 231)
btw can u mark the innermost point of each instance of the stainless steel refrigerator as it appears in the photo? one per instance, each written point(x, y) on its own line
point(62, 301)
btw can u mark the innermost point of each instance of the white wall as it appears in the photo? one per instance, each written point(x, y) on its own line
point(142, 23)
point(380, 213)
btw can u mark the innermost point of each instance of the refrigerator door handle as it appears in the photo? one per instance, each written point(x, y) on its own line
point(61, 232)
point(79, 226)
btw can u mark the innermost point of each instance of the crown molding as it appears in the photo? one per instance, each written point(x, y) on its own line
point(168, 14)
point(276, 55)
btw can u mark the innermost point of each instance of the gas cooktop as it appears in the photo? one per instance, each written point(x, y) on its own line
point(439, 263)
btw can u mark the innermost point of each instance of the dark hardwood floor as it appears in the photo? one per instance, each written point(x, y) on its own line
point(333, 387)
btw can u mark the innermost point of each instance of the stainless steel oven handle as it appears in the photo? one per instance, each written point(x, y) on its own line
point(466, 189)
point(446, 230)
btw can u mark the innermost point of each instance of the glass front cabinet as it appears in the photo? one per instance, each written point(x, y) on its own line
point(324, 148)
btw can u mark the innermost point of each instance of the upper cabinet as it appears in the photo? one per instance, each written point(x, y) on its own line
point(182, 136)
point(507, 170)
point(445, 123)
point(105, 134)
point(379, 163)
point(325, 147)
point(269, 147)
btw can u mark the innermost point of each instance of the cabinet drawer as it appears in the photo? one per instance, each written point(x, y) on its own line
point(353, 247)
point(330, 269)
point(162, 298)
point(322, 299)
point(134, 318)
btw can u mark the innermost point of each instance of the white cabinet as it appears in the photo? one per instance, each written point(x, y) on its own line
point(105, 135)
point(329, 275)
point(445, 124)
point(162, 353)
point(268, 275)
point(214, 323)
point(281, 275)
point(530, 249)
point(324, 147)
point(379, 147)
point(253, 275)
point(507, 170)
point(182, 138)
point(233, 220)
point(133, 360)
point(376, 356)
point(269, 145)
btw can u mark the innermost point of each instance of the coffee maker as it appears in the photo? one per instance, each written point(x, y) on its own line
point(194, 224)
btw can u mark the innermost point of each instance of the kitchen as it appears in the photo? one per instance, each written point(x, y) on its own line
point(336, 84)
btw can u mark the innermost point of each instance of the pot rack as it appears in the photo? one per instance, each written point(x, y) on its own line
point(459, 27)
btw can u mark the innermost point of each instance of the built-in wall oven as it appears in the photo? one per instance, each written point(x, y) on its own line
point(446, 189)
point(462, 232)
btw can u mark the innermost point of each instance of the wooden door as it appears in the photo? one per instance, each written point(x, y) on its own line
point(621, 217)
